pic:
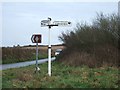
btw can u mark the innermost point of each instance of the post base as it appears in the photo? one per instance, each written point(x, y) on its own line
point(37, 69)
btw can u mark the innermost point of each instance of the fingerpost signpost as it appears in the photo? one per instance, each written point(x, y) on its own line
point(36, 38)
point(49, 24)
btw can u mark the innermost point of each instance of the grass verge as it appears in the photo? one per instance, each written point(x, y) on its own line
point(63, 76)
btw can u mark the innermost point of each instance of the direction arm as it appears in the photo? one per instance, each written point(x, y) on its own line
point(51, 25)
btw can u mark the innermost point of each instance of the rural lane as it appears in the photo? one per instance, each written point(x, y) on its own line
point(23, 64)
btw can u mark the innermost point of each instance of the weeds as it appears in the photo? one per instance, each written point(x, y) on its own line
point(63, 76)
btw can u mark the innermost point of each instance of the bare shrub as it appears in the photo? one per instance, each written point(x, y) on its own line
point(93, 45)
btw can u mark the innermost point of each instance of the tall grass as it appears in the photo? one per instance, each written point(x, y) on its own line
point(18, 54)
point(93, 45)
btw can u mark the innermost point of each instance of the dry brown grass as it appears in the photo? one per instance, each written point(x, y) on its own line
point(40, 48)
point(54, 47)
point(20, 54)
point(99, 56)
point(25, 77)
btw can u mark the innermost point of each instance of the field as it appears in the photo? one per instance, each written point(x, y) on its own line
point(63, 76)
point(25, 53)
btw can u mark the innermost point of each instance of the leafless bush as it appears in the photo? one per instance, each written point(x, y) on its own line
point(95, 44)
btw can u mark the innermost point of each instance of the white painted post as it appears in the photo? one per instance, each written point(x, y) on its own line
point(49, 54)
point(45, 23)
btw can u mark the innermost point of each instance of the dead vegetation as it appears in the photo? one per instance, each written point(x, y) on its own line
point(27, 53)
point(93, 45)
point(99, 57)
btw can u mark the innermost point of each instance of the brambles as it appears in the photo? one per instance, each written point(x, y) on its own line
point(93, 45)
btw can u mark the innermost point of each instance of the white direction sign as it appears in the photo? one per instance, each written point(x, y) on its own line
point(45, 23)
point(62, 23)
point(48, 23)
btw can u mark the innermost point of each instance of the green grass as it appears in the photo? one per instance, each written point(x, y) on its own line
point(63, 76)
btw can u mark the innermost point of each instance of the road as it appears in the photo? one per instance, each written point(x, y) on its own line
point(23, 64)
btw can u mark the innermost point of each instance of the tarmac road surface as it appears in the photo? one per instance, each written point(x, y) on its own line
point(23, 64)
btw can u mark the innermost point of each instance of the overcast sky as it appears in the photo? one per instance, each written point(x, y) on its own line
point(22, 19)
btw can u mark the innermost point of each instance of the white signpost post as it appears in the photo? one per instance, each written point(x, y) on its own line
point(47, 23)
